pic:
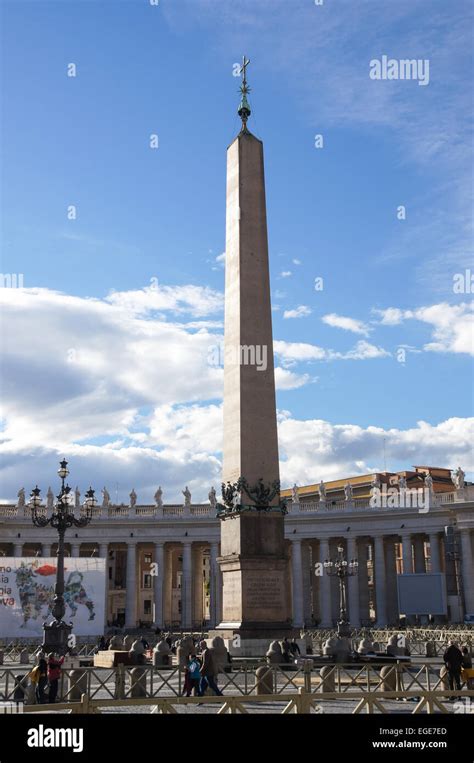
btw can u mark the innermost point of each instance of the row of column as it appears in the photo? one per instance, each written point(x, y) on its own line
point(162, 584)
point(384, 575)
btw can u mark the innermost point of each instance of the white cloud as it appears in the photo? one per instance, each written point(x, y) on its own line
point(195, 300)
point(348, 324)
point(296, 352)
point(285, 274)
point(295, 261)
point(452, 325)
point(300, 312)
point(314, 449)
point(285, 379)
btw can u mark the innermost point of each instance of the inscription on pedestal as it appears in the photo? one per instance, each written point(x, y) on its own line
point(264, 592)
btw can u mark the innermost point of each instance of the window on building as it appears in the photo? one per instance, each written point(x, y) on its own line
point(147, 558)
point(147, 607)
point(146, 580)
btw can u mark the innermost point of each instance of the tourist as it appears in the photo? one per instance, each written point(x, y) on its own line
point(40, 678)
point(466, 658)
point(193, 673)
point(208, 671)
point(294, 648)
point(54, 674)
point(453, 659)
point(286, 651)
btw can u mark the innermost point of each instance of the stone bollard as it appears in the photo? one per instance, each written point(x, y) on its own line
point(274, 654)
point(328, 679)
point(430, 649)
point(138, 682)
point(161, 654)
point(264, 680)
point(24, 657)
point(77, 685)
point(119, 692)
point(388, 674)
point(444, 678)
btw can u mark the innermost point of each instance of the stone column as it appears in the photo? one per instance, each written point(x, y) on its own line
point(419, 546)
point(104, 554)
point(214, 585)
point(380, 582)
point(307, 579)
point(75, 549)
point(18, 549)
point(325, 587)
point(46, 549)
point(168, 583)
point(297, 583)
point(467, 571)
point(407, 554)
point(197, 584)
point(391, 582)
point(131, 591)
point(434, 553)
point(186, 586)
point(158, 584)
point(353, 585)
point(363, 579)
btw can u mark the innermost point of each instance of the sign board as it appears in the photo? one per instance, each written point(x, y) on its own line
point(422, 594)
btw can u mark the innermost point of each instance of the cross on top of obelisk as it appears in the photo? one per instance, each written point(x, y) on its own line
point(244, 106)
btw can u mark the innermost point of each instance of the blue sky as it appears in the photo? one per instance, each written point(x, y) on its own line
point(105, 347)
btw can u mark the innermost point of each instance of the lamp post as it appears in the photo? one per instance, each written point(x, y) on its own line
point(56, 634)
point(342, 569)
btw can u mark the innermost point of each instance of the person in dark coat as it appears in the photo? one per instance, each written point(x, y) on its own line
point(453, 661)
point(42, 680)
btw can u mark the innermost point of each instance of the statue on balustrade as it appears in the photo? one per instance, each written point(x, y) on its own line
point(106, 498)
point(458, 478)
point(348, 491)
point(133, 498)
point(21, 497)
point(49, 499)
point(212, 497)
point(294, 494)
point(187, 497)
point(77, 498)
point(159, 497)
point(322, 492)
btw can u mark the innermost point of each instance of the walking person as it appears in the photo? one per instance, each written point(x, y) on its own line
point(453, 660)
point(208, 671)
point(194, 673)
point(54, 673)
point(42, 679)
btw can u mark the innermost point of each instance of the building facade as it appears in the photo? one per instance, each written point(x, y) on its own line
point(162, 560)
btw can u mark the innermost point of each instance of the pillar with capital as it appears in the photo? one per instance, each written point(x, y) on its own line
point(104, 554)
point(158, 584)
point(325, 587)
point(407, 553)
point(306, 552)
point(363, 581)
point(131, 583)
point(380, 582)
point(353, 585)
point(214, 585)
point(419, 548)
point(297, 583)
point(186, 586)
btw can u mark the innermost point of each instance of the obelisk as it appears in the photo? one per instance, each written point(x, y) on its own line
point(255, 600)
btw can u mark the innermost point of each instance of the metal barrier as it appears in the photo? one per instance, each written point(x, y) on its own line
point(123, 682)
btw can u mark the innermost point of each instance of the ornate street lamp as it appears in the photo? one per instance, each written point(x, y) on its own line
point(342, 569)
point(56, 634)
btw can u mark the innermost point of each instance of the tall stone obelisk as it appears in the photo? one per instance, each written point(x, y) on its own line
point(254, 565)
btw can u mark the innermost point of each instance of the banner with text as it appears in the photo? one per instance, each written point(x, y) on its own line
point(27, 592)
